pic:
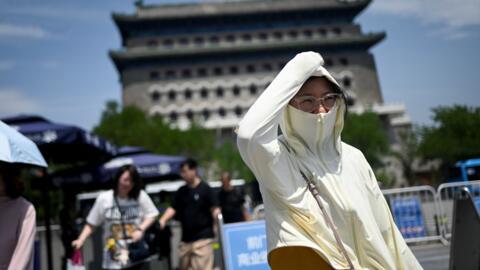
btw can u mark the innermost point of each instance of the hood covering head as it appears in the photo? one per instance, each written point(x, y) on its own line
point(317, 134)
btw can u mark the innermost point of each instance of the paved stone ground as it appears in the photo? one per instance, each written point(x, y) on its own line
point(434, 256)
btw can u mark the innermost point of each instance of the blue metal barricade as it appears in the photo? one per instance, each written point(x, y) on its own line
point(415, 211)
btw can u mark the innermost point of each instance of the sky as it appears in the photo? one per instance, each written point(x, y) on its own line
point(54, 55)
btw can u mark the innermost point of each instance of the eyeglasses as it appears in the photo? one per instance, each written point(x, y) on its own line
point(310, 103)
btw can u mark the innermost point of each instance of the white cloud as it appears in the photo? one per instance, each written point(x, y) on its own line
point(22, 31)
point(14, 101)
point(53, 12)
point(6, 65)
point(452, 16)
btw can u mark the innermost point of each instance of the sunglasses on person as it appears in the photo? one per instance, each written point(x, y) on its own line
point(310, 103)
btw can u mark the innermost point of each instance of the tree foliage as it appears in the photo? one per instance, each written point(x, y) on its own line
point(130, 126)
point(228, 158)
point(365, 132)
point(408, 153)
point(454, 136)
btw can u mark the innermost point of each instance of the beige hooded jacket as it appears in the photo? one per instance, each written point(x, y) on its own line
point(347, 185)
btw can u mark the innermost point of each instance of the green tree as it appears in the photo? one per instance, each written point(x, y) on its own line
point(130, 126)
point(408, 153)
point(365, 132)
point(455, 134)
point(228, 159)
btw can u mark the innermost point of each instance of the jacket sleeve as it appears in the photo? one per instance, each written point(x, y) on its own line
point(405, 259)
point(258, 130)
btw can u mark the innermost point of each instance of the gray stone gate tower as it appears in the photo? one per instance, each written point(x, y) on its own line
point(208, 62)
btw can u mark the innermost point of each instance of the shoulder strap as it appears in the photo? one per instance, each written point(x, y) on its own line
point(316, 194)
point(121, 217)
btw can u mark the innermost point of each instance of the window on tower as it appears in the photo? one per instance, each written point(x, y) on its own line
point(172, 95)
point(233, 70)
point(230, 38)
point(206, 114)
point(199, 40)
point(246, 37)
point(253, 89)
point(170, 74)
point(186, 73)
point(222, 112)
point(322, 32)
point(236, 90)
point(204, 93)
point(189, 114)
point(308, 33)
point(219, 92)
point(238, 111)
point(183, 41)
point(328, 62)
point(188, 94)
point(262, 36)
point(217, 71)
point(213, 39)
point(155, 96)
point(167, 42)
point(267, 67)
point(154, 75)
point(344, 61)
point(152, 43)
point(173, 116)
point(202, 72)
point(250, 68)
point(278, 35)
point(293, 33)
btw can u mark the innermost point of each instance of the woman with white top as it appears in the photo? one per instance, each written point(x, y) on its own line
point(126, 212)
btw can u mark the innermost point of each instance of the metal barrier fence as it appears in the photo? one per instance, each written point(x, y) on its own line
point(415, 211)
point(446, 194)
point(421, 213)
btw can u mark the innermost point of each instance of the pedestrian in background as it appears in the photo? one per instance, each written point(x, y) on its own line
point(195, 206)
point(231, 201)
point(125, 211)
point(17, 221)
point(323, 206)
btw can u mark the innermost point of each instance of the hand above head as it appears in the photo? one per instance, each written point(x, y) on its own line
point(303, 65)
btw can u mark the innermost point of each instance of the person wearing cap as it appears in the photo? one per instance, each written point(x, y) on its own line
point(348, 224)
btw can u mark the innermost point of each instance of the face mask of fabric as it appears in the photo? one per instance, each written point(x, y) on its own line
point(315, 131)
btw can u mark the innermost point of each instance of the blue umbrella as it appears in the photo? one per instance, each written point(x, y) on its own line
point(16, 148)
point(151, 167)
point(61, 143)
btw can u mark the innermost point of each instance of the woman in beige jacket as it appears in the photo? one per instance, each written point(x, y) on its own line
point(308, 105)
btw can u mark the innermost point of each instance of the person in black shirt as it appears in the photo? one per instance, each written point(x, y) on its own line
point(231, 201)
point(195, 206)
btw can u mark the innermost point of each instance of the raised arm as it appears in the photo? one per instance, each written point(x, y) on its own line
point(259, 127)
